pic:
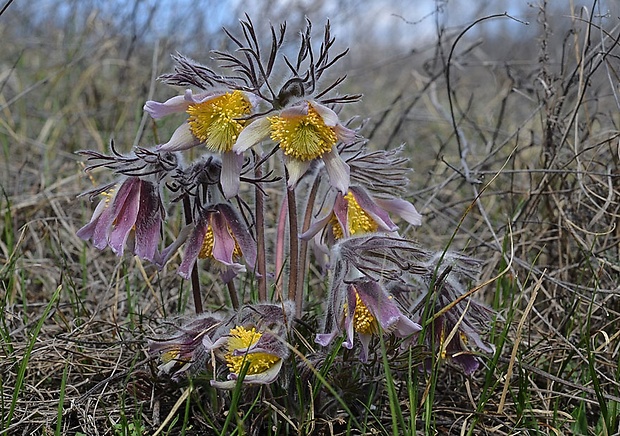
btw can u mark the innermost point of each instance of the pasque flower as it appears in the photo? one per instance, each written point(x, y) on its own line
point(129, 216)
point(183, 350)
point(215, 119)
point(305, 132)
point(220, 236)
point(364, 307)
point(254, 345)
point(457, 324)
point(358, 212)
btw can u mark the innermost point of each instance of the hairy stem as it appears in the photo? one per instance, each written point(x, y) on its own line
point(303, 248)
point(293, 252)
point(232, 292)
point(260, 236)
point(195, 280)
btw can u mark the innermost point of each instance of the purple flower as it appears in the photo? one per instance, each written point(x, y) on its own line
point(363, 306)
point(215, 119)
point(184, 350)
point(130, 216)
point(358, 212)
point(456, 321)
point(218, 235)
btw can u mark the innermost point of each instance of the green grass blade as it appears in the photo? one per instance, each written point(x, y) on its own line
point(21, 373)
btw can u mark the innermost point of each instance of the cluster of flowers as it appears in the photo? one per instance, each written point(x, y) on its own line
point(244, 123)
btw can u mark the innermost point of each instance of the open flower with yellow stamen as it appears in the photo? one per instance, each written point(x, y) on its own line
point(363, 306)
point(215, 119)
point(254, 346)
point(260, 355)
point(305, 132)
point(220, 236)
point(358, 213)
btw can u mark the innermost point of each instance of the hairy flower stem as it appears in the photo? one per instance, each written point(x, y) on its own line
point(232, 291)
point(293, 293)
point(303, 248)
point(187, 209)
point(260, 235)
point(279, 256)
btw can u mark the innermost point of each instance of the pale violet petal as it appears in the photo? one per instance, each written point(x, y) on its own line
point(182, 139)
point(262, 378)
point(337, 170)
point(329, 117)
point(402, 208)
point(344, 134)
point(296, 169)
point(232, 164)
point(297, 111)
point(173, 105)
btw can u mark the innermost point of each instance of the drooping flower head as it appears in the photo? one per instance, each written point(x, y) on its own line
point(215, 119)
point(219, 236)
point(363, 306)
point(183, 350)
point(456, 321)
point(254, 349)
point(358, 213)
point(129, 216)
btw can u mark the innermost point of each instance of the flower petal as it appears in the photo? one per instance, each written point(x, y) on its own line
point(325, 339)
point(296, 111)
point(263, 378)
point(344, 134)
point(232, 164)
point(240, 233)
point(88, 230)
point(223, 242)
point(296, 169)
point(125, 216)
point(182, 139)
point(402, 208)
point(148, 223)
point(173, 105)
point(378, 214)
point(192, 248)
point(252, 134)
point(330, 118)
point(341, 212)
point(337, 170)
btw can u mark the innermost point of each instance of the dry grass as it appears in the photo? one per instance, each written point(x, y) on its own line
point(531, 186)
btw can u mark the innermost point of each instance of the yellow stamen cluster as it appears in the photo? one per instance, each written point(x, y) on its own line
point(358, 220)
point(241, 338)
point(207, 245)
point(363, 321)
point(217, 122)
point(303, 138)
